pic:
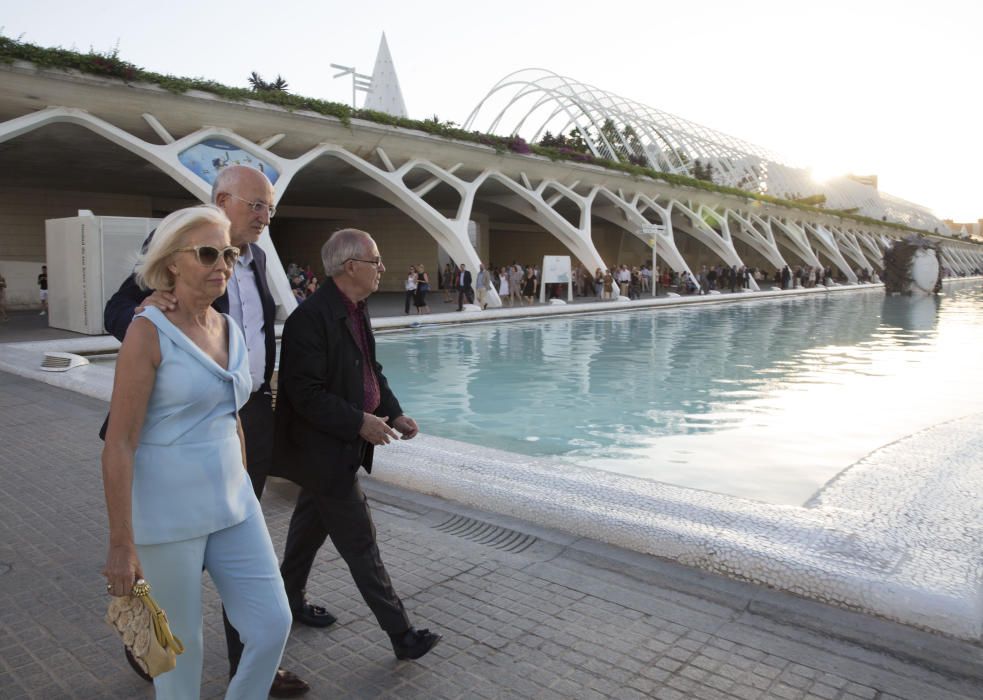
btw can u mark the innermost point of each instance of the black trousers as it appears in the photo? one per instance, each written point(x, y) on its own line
point(257, 427)
point(463, 292)
point(346, 519)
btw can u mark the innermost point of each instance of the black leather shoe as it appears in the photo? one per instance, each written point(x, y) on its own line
point(313, 616)
point(287, 685)
point(136, 667)
point(413, 643)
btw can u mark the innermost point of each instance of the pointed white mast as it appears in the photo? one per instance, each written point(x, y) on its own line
point(385, 95)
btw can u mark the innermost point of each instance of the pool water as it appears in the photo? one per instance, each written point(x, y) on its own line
point(763, 399)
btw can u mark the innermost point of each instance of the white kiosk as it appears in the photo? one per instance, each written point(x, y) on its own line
point(88, 257)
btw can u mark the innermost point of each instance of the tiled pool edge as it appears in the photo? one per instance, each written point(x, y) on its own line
point(891, 556)
point(525, 312)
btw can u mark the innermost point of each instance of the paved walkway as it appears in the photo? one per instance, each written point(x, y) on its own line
point(526, 612)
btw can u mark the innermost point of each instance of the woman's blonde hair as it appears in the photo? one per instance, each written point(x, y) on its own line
point(151, 270)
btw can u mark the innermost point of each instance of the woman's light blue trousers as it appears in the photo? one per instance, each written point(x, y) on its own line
point(243, 566)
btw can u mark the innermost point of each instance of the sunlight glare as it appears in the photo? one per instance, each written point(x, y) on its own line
point(824, 172)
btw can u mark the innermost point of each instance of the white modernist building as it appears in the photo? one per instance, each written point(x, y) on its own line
point(69, 141)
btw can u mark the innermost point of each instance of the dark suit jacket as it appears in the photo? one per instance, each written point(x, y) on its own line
point(467, 278)
point(320, 396)
point(119, 309)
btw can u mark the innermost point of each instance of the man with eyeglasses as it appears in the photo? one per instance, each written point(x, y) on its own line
point(334, 408)
point(246, 196)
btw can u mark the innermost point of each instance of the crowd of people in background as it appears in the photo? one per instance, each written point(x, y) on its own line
point(303, 281)
point(519, 285)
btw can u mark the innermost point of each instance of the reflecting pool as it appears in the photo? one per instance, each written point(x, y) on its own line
point(762, 399)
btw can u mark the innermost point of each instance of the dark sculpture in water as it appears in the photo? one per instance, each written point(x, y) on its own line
point(911, 266)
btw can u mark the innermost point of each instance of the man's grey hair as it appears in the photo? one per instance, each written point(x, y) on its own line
point(228, 178)
point(344, 245)
point(222, 183)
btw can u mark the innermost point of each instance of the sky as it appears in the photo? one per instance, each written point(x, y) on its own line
point(868, 87)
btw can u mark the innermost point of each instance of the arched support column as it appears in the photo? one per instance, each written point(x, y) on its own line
point(970, 260)
point(633, 220)
point(959, 257)
point(798, 241)
point(825, 241)
point(847, 244)
point(945, 258)
point(532, 203)
point(869, 242)
point(758, 235)
point(720, 243)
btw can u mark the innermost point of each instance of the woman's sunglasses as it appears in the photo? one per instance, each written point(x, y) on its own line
point(207, 255)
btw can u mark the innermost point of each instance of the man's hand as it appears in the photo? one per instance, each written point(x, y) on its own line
point(407, 426)
point(165, 301)
point(375, 431)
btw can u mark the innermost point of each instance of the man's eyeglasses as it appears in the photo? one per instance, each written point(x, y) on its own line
point(377, 262)
point(207, 255)
point(256, 207)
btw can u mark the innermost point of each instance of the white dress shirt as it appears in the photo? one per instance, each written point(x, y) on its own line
point(246, 309)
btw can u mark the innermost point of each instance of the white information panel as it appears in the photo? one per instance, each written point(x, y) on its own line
point(556, 269)
point(653, 231)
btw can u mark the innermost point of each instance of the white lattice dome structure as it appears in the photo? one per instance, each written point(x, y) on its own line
point(533, 101)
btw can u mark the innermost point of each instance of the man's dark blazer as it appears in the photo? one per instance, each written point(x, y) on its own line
point(119, 309)
point(467, 279)
point(320, 396)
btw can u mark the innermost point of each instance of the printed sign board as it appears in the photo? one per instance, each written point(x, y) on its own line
point(556, 269)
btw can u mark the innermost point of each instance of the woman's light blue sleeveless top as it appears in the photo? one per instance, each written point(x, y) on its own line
point(188, 477)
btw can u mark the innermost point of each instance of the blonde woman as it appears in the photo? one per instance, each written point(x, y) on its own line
point(177, 493)
point(529, 286)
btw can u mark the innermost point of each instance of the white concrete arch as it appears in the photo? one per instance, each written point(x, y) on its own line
point(850, 246)
point(165, 158)
point(161, 156)
point(947, 261)
point(870, 244)
point(720, 243)
point(795, 239)
point(531, 203)
point(665, 244)
point(824, 240)
point(753, 231)
point(960, 257)
point(971, 259)
point(450, 233)
point(666, 238)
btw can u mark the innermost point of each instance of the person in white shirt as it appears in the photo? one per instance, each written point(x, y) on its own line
point(482, 284)
point(410, 286)
point(624, 279)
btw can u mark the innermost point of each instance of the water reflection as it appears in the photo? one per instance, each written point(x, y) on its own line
point(917, 313)
point(762, 399)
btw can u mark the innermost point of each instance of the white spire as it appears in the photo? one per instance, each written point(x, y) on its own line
point(385, 95)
